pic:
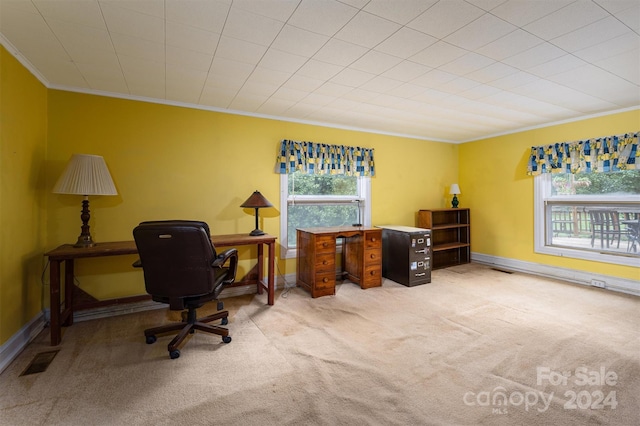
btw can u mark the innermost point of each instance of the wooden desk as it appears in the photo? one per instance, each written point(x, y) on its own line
point(69, 254)
point(316, 261)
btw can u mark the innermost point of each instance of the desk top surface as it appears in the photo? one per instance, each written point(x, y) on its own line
point(339, 229)
point(114, 248)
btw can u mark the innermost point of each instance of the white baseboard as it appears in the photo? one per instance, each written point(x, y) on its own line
point(16, 344)
point(579, 277)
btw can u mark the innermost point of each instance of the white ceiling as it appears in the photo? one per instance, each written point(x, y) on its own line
point(448, 70)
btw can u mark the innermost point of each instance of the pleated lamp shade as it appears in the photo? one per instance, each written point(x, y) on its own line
point(85, 175)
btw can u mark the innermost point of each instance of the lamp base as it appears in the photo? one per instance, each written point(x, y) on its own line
point(256, 232)
point(454, 202)
point(84, 241)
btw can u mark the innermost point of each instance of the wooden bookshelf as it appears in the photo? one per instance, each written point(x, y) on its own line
point(450, 235)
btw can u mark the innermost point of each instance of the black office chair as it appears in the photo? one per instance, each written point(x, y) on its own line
point(181, 268)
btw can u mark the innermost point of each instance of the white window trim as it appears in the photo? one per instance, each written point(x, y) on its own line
point(364, 187)
point(541, 194)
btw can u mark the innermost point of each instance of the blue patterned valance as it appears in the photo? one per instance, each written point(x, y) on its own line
point(321, 159)
point(606, 154)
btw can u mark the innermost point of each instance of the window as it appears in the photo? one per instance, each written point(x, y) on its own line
point(321, 200)
point(591, 216)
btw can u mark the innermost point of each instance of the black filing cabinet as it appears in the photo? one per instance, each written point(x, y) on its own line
point(406, 254)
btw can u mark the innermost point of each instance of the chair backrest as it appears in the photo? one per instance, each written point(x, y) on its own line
point(176, 257)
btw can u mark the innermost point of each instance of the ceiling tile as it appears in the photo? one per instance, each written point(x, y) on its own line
point(511, 44)
point(240, 50)
point(535, 56)
point(400, 11)
point(598, 32)
point(367, 30)
point(250, 27)
point(298, 41)
point(446, 17)
point(406, 71)
point(188, 58)
point(318, 70)
point(352, 78)
point(281, 61)
point(567, 19)
point(206, 15)
point(484, 30)
point(279, 10)
point(375, 62)
point(405, 43)
point(138, 47)
point(133, 24)
point(325, 17)
point(438, 54)
point(85, 13)
point(340, 52)
point(191, 38)
point(466, 64)
point(523, 12)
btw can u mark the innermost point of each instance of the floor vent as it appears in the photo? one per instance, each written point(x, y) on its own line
point(502, 270)
point(40, 362)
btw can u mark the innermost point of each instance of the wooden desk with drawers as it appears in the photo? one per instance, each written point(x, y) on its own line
point(316, 261)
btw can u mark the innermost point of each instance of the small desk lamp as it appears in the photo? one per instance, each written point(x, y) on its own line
point(455, 190)
point(85, 175)
point(256, 201)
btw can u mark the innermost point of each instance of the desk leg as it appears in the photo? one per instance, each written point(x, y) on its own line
point(260, 266)
point(54, 301)
point(67, 318)
point(271, 289)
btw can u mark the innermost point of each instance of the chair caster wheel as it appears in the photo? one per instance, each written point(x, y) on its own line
point(226, 339)
point(224, 321)
point(174, 354)
point(151, 339)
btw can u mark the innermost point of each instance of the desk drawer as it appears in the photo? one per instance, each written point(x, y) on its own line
point(372, 276)
point(325, 280)
point(372, 256)
point(373, 239)
point(326, 262)
point(325, 244)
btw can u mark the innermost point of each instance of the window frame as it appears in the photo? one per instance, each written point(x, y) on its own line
point(363, 197)
point(543, 228)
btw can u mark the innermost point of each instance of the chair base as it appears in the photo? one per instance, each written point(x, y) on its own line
point(188, 326)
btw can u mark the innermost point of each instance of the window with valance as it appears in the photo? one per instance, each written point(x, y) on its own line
point(587, 198)
point(322, 185)
point(605, 154)
point(319, 158)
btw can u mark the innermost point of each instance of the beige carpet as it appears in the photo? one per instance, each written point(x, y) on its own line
point(476, 346)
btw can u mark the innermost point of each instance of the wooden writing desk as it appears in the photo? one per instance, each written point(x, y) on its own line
point(316, 265)
point(69, 254)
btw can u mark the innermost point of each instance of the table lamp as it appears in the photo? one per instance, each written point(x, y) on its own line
point(455, 190)
point(256, 201)
point(85, 175)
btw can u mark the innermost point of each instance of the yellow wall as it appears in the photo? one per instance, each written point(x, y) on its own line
point(23, 106)
point(495, 186)
point(170, 162)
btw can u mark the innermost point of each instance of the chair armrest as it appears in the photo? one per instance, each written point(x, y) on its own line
point(137, 264)
point(230, 255)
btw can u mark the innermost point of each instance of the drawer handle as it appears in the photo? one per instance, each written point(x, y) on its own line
point(324, 244)
point(325, 262)
point(372, 272)
point(325, 280)
point(373, 239)
point(373, 256)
